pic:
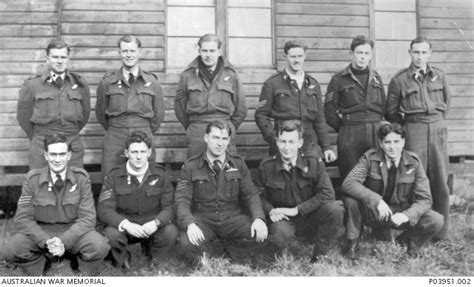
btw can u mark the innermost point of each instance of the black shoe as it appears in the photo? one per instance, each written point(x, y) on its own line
point(350, 250)
point(318, 253)
point(412, 249)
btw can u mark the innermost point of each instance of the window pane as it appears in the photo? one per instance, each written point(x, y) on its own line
point(181, 51)
point(257, 22)
point(250, 3)
point(179, 19)
point(190, 2)
point(391, 25)
point(250, 52)
point(392, 54)
point(392, 5)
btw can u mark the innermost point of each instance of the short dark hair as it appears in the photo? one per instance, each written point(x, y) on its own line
point(57, 44)
point(210, 38)
point(56, 138)
point(129, 39)
point(289, 126)
point(138, 137)
point(387, 128)
point(219, 125)
point(419, 40)
point(293, 44)
point(361, 40)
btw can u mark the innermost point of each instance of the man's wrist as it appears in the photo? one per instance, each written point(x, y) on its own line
point(157, 222)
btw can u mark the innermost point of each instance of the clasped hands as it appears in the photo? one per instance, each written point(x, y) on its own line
point(55, 246)
point(282, 213)
point(385, 214)
point(140, 231)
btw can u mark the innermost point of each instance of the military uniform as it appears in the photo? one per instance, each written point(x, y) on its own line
point(199, 102)
point(122, 108)
point(307, 187)
point(124, 197)
point(355, 114)
point(281, 99)
point(365, 186)
point(215, 202)
point(421, 103)
point(44, 108)
point(44, 212)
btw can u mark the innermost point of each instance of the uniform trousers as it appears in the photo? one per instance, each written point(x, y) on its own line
point(91, 248)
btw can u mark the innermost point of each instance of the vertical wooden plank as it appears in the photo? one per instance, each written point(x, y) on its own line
point(418, 26)
point(221, 24)
point(372, 30)
point(59, 5)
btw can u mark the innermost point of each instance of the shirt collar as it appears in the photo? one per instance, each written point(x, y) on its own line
point(210, 158)
point(126, 74)
point(389, 161)
point(54, 75)
point(62, 174)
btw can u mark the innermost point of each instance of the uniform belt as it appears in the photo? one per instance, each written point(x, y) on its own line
point(129, 121)
point(207, 118)
point(211, 208)
point(56, 129)
point(423, 118)
point(361, 118)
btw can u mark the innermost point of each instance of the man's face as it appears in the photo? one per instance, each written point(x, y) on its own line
point(57, 60)
point(57, 157)
point(217, 141)
point(288, 144)
point(295, 59)
point(420, 54)
point(361, 56)
point(392, 145)
point(130, 54)
point(209, 53)
point(138, 155)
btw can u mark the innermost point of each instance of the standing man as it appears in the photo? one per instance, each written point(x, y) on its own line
point(292, 94)
point(387, 189)
point(208, 90)
point(56, 101)
point(418, 98)
point(128, 99)
point(212, 191)
point(136, 204)
point(55, 215)
point(355, 105)
point(297, 194)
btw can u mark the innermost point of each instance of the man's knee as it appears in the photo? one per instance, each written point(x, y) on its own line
point(93, 246)
point(169, 234)
point(115, 237)
point(20, 248)
point(432, 221)
point(333, 211)
point(281, 233)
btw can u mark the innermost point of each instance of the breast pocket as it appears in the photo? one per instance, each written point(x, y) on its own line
point(125, 199)
point(71, 202)
point(116, 100)
point(197, 96)
point(274, 192)
point(283, 101)
point(45, 107)
point(376, 95)
point(224, 102)
point(153, 197)
point(202, 188)
point(233, 183)
point(374, 182)
point(405, 185)
point(146, 97)
point(45, 209)
point(411, 99)
point(350, 96)
point(436, 92)
point(74, 109)
point(312, 104)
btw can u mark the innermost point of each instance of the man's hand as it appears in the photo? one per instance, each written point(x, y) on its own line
point(399, 218)
point(384, 211)
point(276, 215)
point(285, 211)
point(259, 230)
point(55, 246)
point(329, 156)
point(195, 235)
point(134, 229)
point(150, 227)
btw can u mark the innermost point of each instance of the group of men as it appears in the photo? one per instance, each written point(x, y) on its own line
point(385, 185)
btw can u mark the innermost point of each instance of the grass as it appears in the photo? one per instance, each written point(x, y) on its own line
point(453, 257)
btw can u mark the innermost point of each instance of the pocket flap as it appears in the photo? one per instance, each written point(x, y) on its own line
point(44, 201)
point(72, 197)
point(233, 176)
point(225, 86)
point(124, 190)
point(200, 178)
point(74, 95)
point(409, 91)
point(406, 179)
point(43, 96)
point(282, 92)
point(114, 91)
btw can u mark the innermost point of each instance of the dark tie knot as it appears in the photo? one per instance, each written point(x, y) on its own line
point(59, 81)
point(131, 78)
point(216, 166)
point(59, 183)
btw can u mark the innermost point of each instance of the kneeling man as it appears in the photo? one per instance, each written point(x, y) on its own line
point(387, 189)
point(136, 204)
point(213, 190)
point(297, 194)
point(56, 215)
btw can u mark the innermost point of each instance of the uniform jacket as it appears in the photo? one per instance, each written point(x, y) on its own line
point(280, 99)
point(123, 197)
point(121, 105)
point(42, 208)
point(201, 191)
point(367, 181)
point(42, 103)
point(313, 185)
point(346, 95)
point(410, 93)
point(195, 96)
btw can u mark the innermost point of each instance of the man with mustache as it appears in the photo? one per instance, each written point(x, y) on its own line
point(56, 101)
point(209, 89)
point(128, 99)
point(293, 94)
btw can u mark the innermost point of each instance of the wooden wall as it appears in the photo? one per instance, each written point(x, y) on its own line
point(93, 27)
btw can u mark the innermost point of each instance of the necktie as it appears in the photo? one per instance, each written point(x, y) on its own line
point(131, 78)
point(59, 183)
point(59, 81)
point(392, 176)
point(217, 166)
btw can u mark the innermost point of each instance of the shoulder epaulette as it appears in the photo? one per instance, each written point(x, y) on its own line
point(413, 155)
point(274, 75)
point(370, 152)
point(79, 79)
point(108, 74)
point(151, 74)
point(400, 72)
point(268, 159)
point(79, 170)
point(33, 172)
